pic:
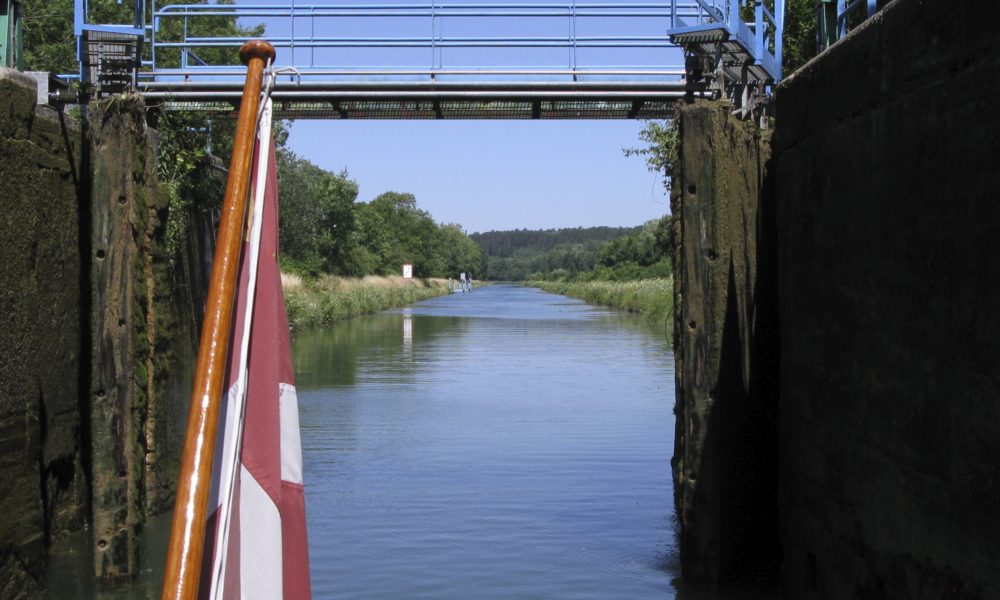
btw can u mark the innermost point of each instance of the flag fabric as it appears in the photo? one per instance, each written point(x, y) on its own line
point(255, 544)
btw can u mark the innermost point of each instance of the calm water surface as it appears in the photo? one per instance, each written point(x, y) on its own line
point(506, 443)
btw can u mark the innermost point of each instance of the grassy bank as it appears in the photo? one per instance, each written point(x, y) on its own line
point(329, 299)
point(652, 298)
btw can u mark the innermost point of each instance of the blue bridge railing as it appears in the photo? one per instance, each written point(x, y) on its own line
point(834, 17)
point(627, 50)
point(742, 50)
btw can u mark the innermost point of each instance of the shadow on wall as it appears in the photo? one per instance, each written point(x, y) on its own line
point(726, 453)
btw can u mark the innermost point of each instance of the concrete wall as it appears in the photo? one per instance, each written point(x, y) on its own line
point(147, 298)
point(41, 339)
point(885, 159)
point(725, 459)
point(101, 318)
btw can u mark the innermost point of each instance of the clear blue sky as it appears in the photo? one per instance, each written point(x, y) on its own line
point(495, 174)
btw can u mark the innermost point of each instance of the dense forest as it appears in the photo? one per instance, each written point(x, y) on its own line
point(505, 243)
point(579, 254)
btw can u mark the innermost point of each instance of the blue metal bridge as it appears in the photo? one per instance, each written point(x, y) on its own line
point(611, 59)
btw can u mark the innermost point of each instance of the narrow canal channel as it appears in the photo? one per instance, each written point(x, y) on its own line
point(506, 443)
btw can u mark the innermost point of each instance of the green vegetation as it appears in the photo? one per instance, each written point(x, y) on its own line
point(324, 229)
point(652, 298)
point(630, 270)
point(524, 254)
point(799, 37)
point(625, 268)
point(662, 144)
point(581, 254)
point(328, 299)
point(342, 258)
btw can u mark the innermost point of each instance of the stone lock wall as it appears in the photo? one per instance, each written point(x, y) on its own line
point(43, 283)
point(148, 298)
point(725, 458)
point(101, 327)
point(865, 246)
point(886, 178)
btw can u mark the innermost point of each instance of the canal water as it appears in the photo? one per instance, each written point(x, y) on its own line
point(505, 443)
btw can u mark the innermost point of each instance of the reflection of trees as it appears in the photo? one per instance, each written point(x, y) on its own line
point(331, 357)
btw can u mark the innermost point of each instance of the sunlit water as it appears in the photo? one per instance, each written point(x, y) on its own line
point(505, 443)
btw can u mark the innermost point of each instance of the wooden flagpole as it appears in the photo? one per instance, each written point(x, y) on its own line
point(187, 534)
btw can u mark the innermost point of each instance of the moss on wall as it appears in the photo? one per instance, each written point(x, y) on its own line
point(41, 339)
point(145, 328)
point(725, 453)
point(100, 331)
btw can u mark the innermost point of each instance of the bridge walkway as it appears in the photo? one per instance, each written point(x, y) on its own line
point(432, 60)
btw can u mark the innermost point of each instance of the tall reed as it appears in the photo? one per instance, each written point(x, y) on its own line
point(652, 298)
point(329, 299)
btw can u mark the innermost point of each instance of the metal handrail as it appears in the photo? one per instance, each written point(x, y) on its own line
point(845, 8)
point(833, 19)
point(434, 13)
point(766, 22)
point(564, 42)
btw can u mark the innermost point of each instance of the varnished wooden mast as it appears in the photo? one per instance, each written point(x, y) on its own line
point(187, 535)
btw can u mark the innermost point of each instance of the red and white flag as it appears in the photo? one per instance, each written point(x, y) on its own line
point(255, 542)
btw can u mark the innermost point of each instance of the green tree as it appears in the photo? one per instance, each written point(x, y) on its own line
point(662, 143)
point(317, 217)
point(409, 235)
point(370, 241)
point(799, 36)
point(49, 43)
point(460, 254)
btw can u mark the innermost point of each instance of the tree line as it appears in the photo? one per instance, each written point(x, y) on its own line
point(505, 243)
point(324, 229)
point(579, 254)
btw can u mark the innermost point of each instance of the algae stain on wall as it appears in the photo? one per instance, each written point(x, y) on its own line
point(41, 467)
point(725, 457)
point(145, 332)
point(100, 328)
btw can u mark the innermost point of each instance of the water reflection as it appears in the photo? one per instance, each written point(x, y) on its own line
point(506, 443)
point(501, 444)
point(407, 334)
point(384, 342)
point(70, 568)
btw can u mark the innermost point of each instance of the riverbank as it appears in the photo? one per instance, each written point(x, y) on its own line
point(329, 299)
point(652, 298)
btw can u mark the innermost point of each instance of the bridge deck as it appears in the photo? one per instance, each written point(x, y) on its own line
point(611, 59)
point(436, 99)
